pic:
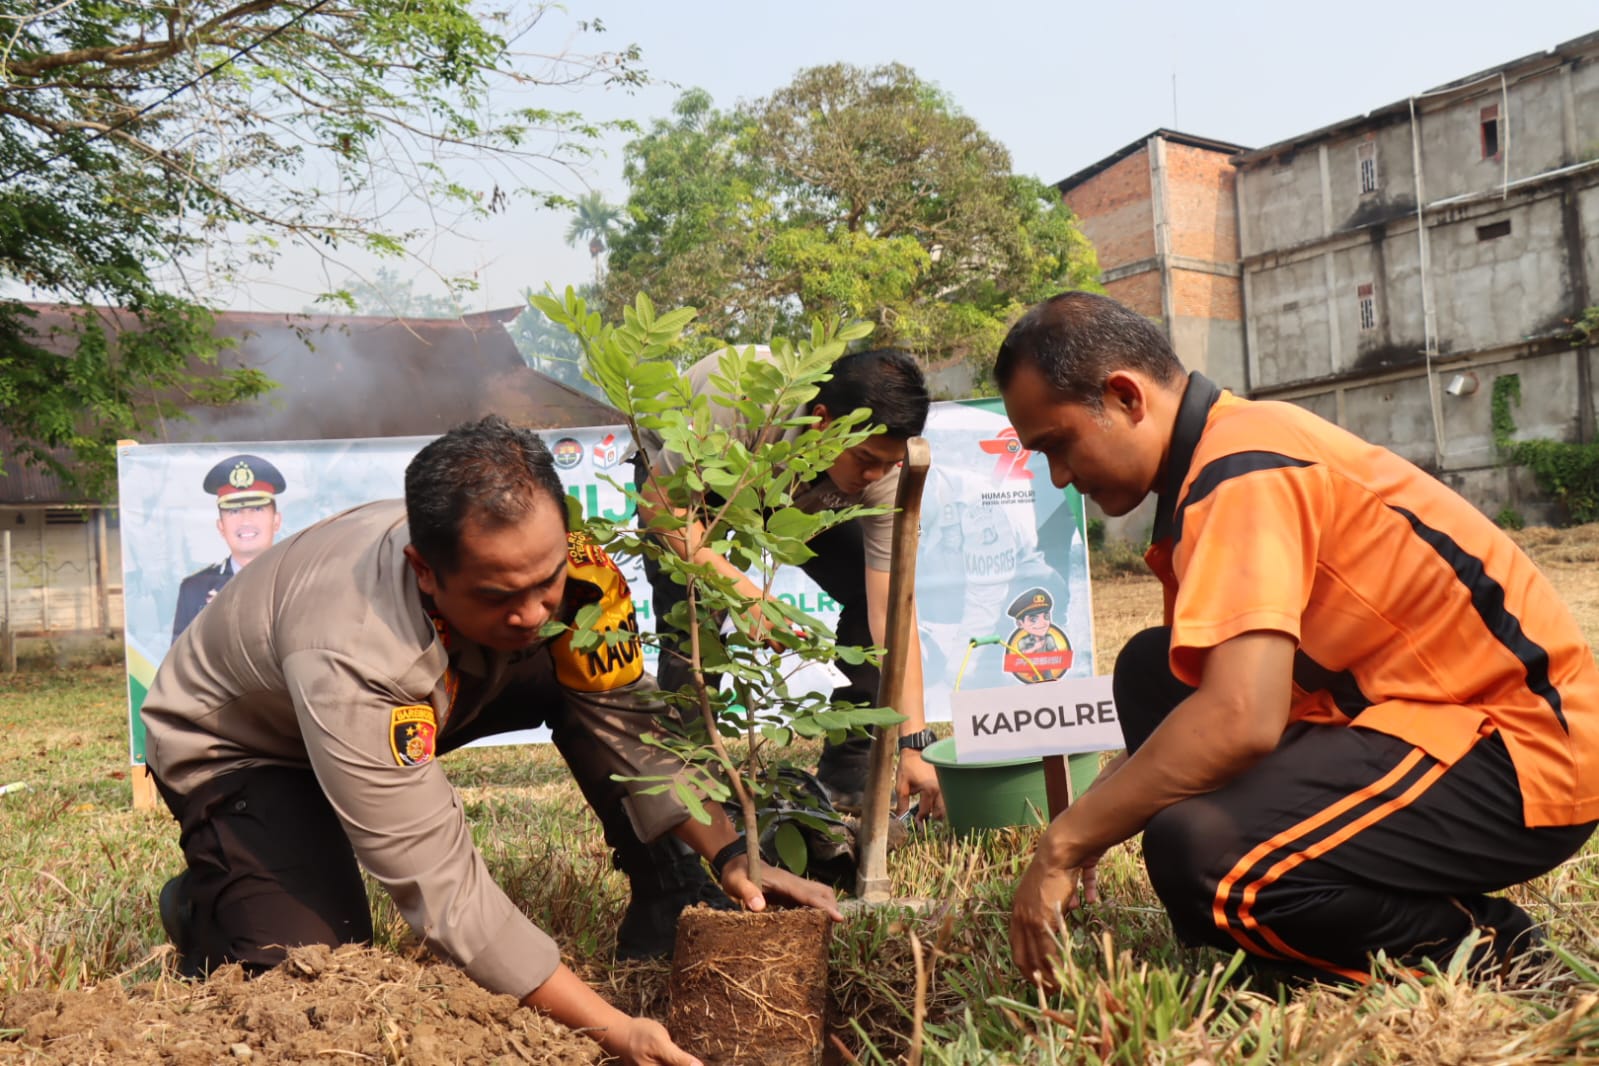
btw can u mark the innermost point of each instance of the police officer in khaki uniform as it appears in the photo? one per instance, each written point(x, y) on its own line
point(294, 730)
point(246, 488)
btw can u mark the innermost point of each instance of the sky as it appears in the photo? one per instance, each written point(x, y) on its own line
point(1060, 84)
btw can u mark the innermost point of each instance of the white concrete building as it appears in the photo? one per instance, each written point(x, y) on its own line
point(1396, 263)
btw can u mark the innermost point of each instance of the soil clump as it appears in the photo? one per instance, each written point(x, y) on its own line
point(321, 1005)
point(750, 988)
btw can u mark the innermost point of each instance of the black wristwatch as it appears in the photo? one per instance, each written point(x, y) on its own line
point(916, 741)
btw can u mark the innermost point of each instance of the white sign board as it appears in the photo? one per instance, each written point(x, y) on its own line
point(1062, 717)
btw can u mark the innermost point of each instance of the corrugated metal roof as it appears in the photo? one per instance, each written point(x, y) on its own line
point(351, 376)
point(24, 482)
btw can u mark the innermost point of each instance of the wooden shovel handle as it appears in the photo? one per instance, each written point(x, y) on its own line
point(871, 878)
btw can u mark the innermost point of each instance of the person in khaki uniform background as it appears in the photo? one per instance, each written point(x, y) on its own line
point(294, 729)
point(851, 562)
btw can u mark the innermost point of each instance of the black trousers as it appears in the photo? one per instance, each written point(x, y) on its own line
point(270, 866)
point(1341, 843)
point(839, 567)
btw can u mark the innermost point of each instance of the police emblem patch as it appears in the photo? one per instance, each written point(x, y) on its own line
point(567, 453)
point(413, 734)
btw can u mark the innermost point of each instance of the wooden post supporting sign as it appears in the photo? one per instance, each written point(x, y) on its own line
point(1057, 784)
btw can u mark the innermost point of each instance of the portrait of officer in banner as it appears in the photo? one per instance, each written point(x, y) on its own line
point(1037, 649)
point(246, 488)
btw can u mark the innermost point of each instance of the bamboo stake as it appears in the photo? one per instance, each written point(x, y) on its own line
point(871, 878)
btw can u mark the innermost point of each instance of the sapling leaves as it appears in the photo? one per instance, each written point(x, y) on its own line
point(790, 844)
point(741, 450)
point(779, 735)
point(585, 637)
point(690, 799)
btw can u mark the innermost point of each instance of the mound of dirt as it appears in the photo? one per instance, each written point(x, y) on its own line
point(321, 1005)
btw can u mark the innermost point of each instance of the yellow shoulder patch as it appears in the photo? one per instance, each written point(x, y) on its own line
point(592, 577)
point(583, 550)
point(413, 734)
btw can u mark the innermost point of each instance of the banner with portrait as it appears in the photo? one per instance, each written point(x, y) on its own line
point(1002, 559)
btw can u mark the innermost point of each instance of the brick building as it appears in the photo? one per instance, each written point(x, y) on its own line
point(1160, 212)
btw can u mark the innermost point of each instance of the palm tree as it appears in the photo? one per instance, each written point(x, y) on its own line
point(594, 219)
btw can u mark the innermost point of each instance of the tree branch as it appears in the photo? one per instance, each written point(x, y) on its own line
point(140, 55)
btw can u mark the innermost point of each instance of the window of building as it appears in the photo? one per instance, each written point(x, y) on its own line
point(1366, 157)
point(65, 516)
point(1493, 230)
point(1366, 295)
point(1490, 131)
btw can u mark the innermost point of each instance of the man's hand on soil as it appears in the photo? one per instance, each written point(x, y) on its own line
point(644, 1042)
point(736, 882)
point(1037, 916)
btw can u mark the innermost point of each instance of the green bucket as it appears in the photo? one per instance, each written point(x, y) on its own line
point(991, 795)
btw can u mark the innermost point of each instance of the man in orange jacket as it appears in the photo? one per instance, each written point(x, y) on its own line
point(1367, 710)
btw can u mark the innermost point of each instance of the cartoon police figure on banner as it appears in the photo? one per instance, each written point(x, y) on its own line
point(1037, 649)
point(988, 518)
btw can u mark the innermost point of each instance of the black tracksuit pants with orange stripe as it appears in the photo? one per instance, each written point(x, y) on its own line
point(1341, 843)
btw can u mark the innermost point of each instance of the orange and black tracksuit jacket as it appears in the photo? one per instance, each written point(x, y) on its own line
point(1444, 740)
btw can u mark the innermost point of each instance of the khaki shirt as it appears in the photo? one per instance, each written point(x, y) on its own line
point(320, 654)
point(877, 531)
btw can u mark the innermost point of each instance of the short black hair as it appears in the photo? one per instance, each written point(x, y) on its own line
point(886, 381)
point(1078, 339)
point(488, 470)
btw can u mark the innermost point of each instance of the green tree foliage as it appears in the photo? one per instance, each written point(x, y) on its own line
point(386, 292)
point(848, 193)
point(550, 349)
point(593, 220)
point(695, 221)
point(1568, 472)
point(1585, 328)
point(143, 138)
